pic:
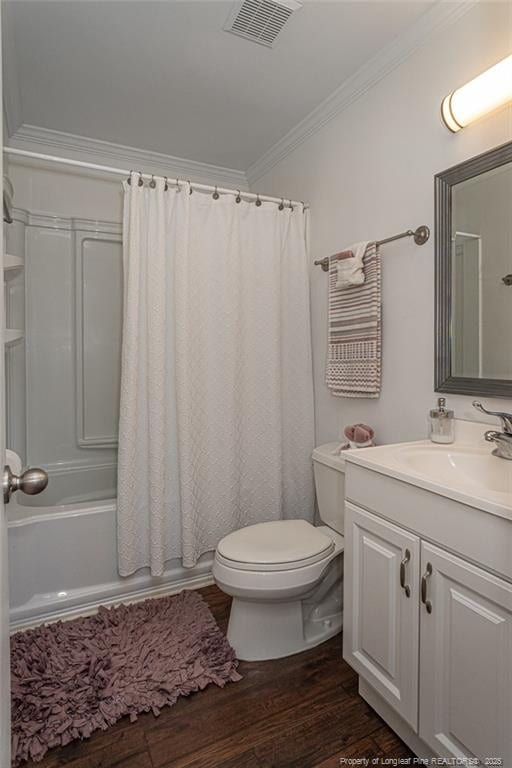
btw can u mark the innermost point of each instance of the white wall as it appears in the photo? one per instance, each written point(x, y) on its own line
point(368, 174)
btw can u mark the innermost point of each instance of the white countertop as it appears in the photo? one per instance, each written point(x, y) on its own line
point(465, 470)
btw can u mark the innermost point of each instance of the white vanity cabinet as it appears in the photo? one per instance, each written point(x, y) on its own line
point(438, 654)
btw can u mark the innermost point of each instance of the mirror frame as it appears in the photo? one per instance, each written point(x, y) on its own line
point(444, 380)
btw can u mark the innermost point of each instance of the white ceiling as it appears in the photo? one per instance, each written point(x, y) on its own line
point(164, 76)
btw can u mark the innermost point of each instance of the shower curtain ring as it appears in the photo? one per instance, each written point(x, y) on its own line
point(238, 198)
point(190, 190)
point(129, 179)
point(291, 205)
point(281, 204)
point(215, 194)
point(258, 201)
point(303, 206)
point(141, 181)
point(152, 183)
point(166, 185)
point(178, 189)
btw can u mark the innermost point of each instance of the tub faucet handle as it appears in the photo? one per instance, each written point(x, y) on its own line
point(32, 481)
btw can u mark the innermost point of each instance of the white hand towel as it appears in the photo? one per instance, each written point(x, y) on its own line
point(350, 270)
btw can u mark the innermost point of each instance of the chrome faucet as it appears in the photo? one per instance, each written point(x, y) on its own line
point(502, 440)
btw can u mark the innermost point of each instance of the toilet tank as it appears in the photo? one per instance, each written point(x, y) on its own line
point(329, 470)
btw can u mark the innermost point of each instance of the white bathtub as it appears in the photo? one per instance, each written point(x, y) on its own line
point(62, 562)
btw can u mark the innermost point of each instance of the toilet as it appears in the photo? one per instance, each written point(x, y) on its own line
point(285, 576)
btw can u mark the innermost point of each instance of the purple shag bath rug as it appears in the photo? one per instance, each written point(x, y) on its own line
point(71, 678)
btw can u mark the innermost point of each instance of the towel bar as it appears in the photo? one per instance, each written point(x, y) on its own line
point(420, 235)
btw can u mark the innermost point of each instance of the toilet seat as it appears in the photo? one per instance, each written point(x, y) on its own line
point(279, 545)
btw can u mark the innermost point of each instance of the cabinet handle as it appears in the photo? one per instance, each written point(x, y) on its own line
point(426, 603)
point(405, 587)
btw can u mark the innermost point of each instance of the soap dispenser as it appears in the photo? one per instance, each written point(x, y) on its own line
point(441, 423)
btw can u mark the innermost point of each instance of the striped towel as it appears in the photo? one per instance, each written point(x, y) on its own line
point(354, 337)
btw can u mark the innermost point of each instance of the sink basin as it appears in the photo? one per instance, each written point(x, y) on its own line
point(465, 471)
point(482, 471)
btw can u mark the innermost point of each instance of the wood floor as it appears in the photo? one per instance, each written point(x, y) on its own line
point(299, 712)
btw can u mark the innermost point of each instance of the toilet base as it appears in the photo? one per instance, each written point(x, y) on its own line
point(260, 631)
point(272, 629)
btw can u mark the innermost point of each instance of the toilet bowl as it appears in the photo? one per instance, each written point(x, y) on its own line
point(285, 576)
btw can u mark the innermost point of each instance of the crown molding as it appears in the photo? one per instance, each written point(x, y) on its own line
point(383, 63)
point(47, 141)
point(33, 138)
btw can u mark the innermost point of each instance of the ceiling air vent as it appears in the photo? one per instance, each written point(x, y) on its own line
point(260, 20)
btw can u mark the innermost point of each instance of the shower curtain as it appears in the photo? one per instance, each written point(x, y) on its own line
point(216, 414)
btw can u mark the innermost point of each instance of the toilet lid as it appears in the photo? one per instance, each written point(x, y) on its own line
point(277, 545)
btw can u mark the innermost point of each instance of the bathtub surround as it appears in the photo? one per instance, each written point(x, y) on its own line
point(63, 379)
point(62, 560)
point(71, 679)
point(62, 557)
point(216, 416)
point(395, 131)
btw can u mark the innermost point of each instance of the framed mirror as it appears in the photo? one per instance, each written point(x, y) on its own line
point(473, 283)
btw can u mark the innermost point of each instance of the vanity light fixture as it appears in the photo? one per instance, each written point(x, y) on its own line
point(485, 93)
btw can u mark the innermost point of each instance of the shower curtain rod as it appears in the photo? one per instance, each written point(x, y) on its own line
point(121, 172)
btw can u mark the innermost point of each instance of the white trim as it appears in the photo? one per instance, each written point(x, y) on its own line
point(93, 600)
point(384, 62)
point(32, 138)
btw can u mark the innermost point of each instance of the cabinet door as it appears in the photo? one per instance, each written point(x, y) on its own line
point(380, 634)
point(465, 660)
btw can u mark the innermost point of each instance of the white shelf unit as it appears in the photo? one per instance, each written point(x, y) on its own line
point(12, 335)
point(12, 262)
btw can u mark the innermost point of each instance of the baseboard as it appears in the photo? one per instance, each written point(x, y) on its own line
point(395, 722)
point(133, 596)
